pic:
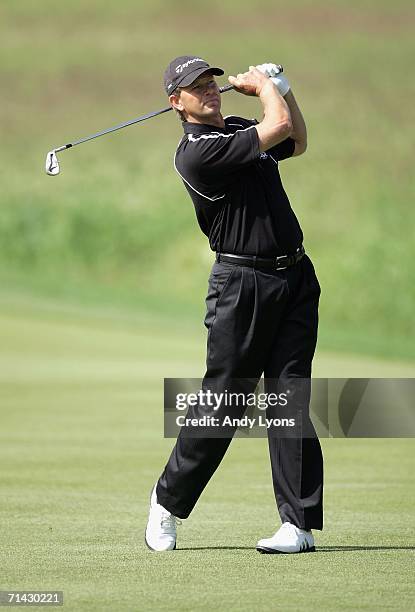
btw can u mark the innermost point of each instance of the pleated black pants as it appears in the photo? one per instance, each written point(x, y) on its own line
point(259, 322)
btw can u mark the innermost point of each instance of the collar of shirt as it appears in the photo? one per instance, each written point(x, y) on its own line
point(201, 128)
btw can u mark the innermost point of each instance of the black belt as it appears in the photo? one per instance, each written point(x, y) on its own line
point(272, 263)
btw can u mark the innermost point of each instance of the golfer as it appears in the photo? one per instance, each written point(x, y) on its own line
point(262, 302)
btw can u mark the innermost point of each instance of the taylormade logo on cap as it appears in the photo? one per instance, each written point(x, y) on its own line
point(180, 67)
point(185, 69)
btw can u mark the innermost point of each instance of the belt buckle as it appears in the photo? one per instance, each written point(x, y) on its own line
point(276, 261)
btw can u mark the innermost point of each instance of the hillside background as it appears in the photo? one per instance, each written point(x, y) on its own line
point(117, 228)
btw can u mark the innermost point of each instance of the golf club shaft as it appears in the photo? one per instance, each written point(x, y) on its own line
point(126, 124)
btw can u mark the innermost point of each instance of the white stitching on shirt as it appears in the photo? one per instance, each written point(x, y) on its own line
point(236, 117)
point(191, 138)
point(191, 186)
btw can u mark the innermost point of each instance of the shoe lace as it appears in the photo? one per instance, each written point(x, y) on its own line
point(169, 521)
point(290, 526)
point(286, 526)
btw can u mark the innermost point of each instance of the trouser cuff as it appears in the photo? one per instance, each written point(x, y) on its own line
point(172, 504)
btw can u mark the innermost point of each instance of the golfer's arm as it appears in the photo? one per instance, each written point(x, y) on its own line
point(276, 124)
point(299, 130)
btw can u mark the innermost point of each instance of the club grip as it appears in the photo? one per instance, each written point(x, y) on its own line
point(229, 87)
point(225, 88)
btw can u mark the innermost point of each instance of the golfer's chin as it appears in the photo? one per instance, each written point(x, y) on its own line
point(212, 105)
point(209, 113)
point(211, 110)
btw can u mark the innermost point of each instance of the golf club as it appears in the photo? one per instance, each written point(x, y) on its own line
point(52, 162)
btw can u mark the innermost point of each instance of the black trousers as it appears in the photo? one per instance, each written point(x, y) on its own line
point(259, 322)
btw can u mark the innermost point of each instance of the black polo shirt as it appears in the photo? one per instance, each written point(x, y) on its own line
point(236, 190)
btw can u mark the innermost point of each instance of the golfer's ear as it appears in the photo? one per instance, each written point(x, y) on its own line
point(175, 102)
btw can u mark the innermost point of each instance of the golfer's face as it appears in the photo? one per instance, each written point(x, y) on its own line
point(201, 99)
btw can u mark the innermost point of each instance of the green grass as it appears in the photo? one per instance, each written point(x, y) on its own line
point(81, 445)
point(118, 218)
point(103, 273)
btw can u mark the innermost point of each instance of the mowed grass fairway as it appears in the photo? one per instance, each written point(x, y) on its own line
point(81, 445)
point(103, 273)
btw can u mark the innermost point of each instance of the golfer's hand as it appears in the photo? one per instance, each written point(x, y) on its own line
point(249, 83)
point(270, 70)
point(273, 72)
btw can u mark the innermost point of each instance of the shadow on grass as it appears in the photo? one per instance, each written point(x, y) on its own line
point(318, 548)
point(216, 548)
point(352, 548)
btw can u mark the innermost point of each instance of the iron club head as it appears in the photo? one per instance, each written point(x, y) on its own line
point(52, 164)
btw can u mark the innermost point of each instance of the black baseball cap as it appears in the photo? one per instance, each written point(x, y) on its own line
point(185, 69)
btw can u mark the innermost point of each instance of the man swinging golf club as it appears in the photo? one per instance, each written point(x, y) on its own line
point(262, 303)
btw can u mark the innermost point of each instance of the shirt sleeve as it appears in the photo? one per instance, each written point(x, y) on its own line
point(283, 149)
point(218, 155)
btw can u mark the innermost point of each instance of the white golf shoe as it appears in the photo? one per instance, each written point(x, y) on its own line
point(288, 539)
point(161, 526)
